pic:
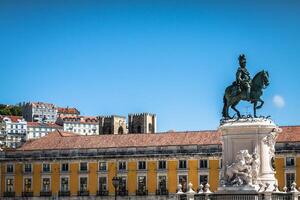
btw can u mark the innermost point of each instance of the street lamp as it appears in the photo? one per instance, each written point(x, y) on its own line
point(116, 182)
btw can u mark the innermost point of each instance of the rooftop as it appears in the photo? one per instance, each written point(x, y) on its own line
point(64, 140)
point(47, 125)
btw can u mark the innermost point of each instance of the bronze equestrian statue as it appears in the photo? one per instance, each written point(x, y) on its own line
point(245, 89)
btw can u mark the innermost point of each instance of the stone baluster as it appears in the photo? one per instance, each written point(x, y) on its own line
point(200, 189)
point(207, 191)
point(284, 189)
point(276, 188)
point(294, 191)
point(179, 189)
point(190, 193)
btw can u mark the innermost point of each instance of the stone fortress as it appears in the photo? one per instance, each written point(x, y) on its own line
point(137, 123)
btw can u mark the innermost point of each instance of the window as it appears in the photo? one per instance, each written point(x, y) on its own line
point(203, 179)
point(27, 168)
point(182, 164)
point(83, 184)
point(122, 186)
point(162, 183)
point(83, 166)
point(290, 161)
point(183, 181)
point(102, 184)
point(65, 167)
point(9, 185)
point(290, 178)
point(122, 165)
point(203, 164)
point(142, 183)
point(46, 167)
point(162, 164)
point(64, 184)
point(27, 184)
point(9, 168)
point(46, 184)
point(102, 166)
point(221, 163)
point(142, 165)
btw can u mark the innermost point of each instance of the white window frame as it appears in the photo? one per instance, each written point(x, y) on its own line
point(61, 171)
point(157, 179)
point(203, 174)
point(31, 168)
point(207, 164)
point(166, 165)
point(137, 180)
point(122, 170)
point(285, 161)
point(146, 165)
point(9, 177)
point(64, 176)
point(103, 171)
point(87, 179)
point(26, 177)
point(187, 165)
point(49, 166)
point(13, 168)
point(98, 182)
point(48, 176)
point(87, 167)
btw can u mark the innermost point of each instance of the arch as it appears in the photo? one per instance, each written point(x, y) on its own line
point(120, 130)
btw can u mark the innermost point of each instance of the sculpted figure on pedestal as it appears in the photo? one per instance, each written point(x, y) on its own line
point(239, 172)
point(244, 171)
point(245, 89)
point(255, 164)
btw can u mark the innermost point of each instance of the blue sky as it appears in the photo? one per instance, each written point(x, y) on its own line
point(172, 58)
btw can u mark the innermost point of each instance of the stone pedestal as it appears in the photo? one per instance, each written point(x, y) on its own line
point(257, 136)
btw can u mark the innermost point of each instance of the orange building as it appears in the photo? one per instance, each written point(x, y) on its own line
point(150, 165)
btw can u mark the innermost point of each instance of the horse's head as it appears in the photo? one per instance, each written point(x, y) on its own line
point(265, 78)
point(261, 79)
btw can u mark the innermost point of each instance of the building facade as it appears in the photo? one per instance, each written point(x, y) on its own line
point(39, 112)
point(81, 125)
point(36, 129)
point(62, 164)
point(13, 131)
point(142, 123)
point(112, 125)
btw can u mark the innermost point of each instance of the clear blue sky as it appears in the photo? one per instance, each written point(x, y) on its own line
point(172, 58)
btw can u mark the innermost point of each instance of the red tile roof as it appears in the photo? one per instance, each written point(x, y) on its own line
point(68, 111)
point(80, 119)
point(12, 118)
point(64, 140)
point(47, 125)
point(289, 134)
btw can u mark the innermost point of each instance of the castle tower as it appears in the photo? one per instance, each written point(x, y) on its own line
point(142, 123)
point(112, 125)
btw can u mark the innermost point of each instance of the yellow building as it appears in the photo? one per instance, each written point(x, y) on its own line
point(65, 164)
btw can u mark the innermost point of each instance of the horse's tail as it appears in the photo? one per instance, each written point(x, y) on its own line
point(225, 105)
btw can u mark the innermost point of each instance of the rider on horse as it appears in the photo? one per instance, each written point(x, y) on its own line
point(243, 79)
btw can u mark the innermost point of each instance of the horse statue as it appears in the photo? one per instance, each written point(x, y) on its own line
point(233, 96)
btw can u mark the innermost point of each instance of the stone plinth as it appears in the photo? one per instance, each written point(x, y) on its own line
point(256, 138)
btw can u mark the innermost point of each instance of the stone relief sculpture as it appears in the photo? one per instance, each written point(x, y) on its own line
point(255, 164)
point(244, 171)
point(270, 140)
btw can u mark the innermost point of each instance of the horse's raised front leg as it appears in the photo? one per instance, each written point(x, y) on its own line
point(261, 103)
